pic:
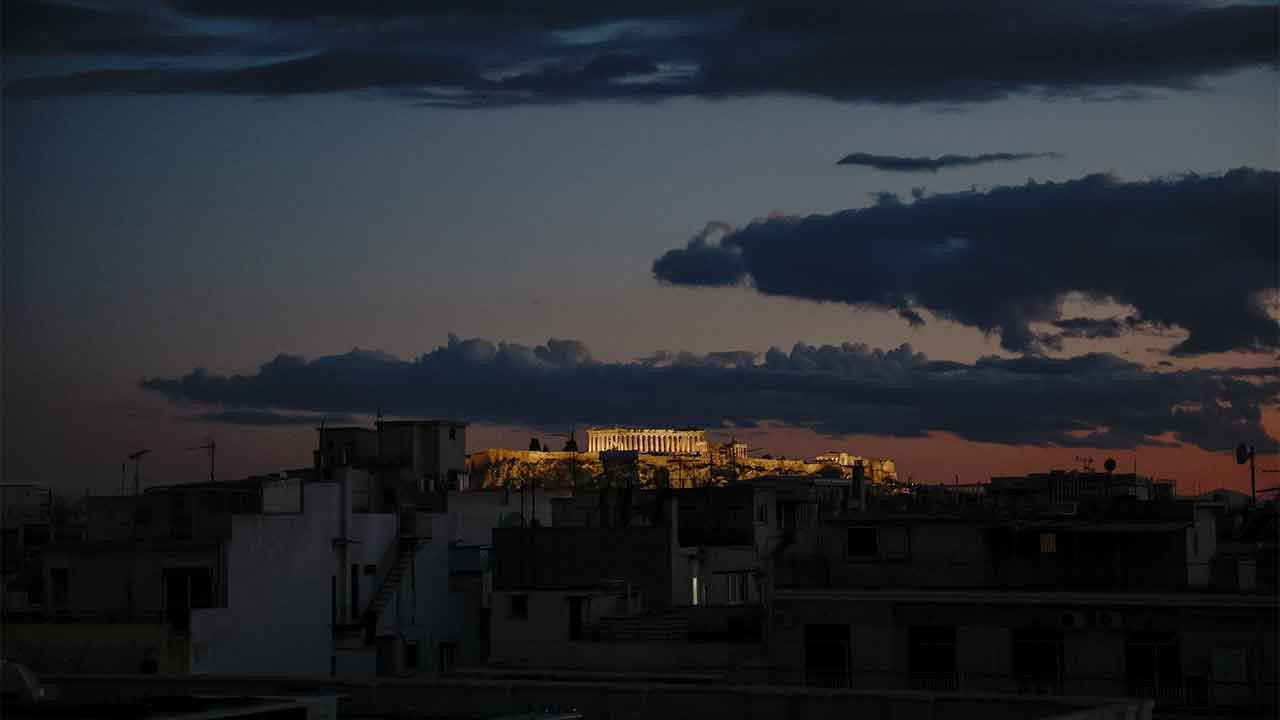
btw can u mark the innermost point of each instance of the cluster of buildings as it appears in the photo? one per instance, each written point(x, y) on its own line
point(384, 558)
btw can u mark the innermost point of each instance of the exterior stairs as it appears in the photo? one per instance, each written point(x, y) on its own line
point(405, 550)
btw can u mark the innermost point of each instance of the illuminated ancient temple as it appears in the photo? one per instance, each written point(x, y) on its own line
point(653, 441)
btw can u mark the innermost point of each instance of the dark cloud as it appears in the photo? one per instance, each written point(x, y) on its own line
point(1105, 328)
point(1093, 400)
point(41, 27)
point(1192, 252)
point(268, 418)
point(562, 52)
point(308, 75)
point(549, 13)
point(901, 163)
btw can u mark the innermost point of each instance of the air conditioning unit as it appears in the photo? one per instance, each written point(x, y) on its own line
point(1108, 620)
point(1074, 621)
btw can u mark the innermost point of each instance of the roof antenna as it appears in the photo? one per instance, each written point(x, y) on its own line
point(212, 447)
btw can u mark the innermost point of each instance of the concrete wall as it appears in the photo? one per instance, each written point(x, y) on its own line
point(583, 557)
point(478, 512)
point(278, 614)
point(118, 581)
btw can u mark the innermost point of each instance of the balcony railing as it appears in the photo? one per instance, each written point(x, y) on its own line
point(828, 679)
point(935, 682)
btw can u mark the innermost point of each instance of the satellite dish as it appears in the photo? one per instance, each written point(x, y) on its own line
point(1110, 464)
point(1243, 453)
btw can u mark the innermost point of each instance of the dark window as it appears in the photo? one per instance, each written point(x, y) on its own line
point(762, 513)
point(201, 588)
point(411, 655)
point(518, 607)
point(863, 542)
point(448, 656)
point(60, 579)
point(453, 433)
point(142, 516)
point(1037, 661)
point(355, 591)
point(737, 588)
point(577, 608)
point(186, 589)
point(35, 590)
point(1153, 666)
point(931, 657)
point(826, 656)
point(370, 569)
point(36, 535)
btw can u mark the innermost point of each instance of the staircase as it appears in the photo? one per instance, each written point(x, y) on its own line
point(405, 550)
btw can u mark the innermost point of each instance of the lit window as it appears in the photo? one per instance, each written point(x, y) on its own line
point(1048, 543)
point(695, 590)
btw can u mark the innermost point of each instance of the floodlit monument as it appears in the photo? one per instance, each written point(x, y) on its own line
point(653, 441)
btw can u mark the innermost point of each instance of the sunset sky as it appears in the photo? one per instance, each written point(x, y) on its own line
point(979, 238)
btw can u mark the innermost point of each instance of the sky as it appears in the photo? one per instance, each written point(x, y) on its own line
point(978, 238)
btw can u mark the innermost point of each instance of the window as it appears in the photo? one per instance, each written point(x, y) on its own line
point(355, 591)
point(1048, 543)
point(577, 616)
point(518, 607)
point(453, 433)
point(410, 655)
point(60, 579)
point(201, 580)
point(186, 589)
point(370, 569)
point(1037, 661)
point(762, 513)
point(864, 542)
point(826, 656)
point(737, 587)
point(448, 656)
point(1153, 666)
point(696, 599)
point(931, 657)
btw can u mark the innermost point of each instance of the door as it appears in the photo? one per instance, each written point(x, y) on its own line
point(826, 656)
point(577, 609)
point(177, 598)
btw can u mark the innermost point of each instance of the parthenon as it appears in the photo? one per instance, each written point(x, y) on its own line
point(658, 441)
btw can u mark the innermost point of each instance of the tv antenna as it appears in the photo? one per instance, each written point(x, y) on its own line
point(212, 447)
point(136, 457)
